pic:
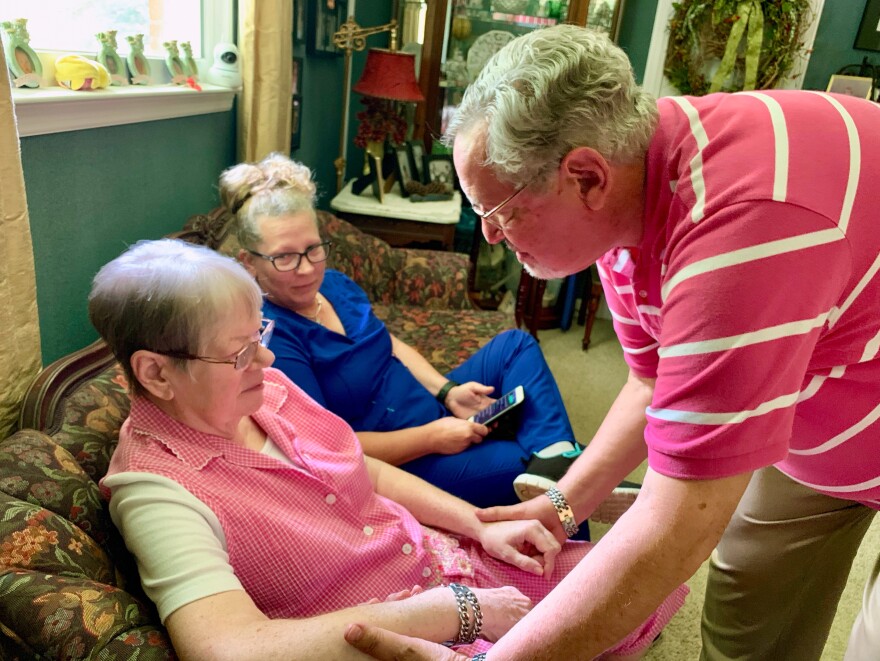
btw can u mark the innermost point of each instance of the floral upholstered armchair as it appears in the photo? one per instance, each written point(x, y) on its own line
point(68, 587)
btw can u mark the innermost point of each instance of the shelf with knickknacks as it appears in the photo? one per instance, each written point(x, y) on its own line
point(23, 63)
point(138, 64)
point(110, 59)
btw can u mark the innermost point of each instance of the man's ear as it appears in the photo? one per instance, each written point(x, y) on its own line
point(591, 173)
point(151, 369)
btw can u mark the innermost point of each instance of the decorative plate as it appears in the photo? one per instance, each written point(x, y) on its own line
point(483, 48)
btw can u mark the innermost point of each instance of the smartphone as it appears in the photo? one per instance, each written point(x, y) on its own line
point(499, 407)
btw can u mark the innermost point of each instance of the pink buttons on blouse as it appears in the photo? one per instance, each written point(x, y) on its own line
point(368, 530)
point(330, 499)
point(407, 549)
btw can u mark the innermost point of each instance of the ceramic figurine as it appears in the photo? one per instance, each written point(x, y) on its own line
point(138, 64)
point(189, 64)
point(26, 68)
point(110, 58)
point(174, 63)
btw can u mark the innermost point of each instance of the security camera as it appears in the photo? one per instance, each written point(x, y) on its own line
point(226, 70)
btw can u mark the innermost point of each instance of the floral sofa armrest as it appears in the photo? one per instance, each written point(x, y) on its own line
point(433, 279)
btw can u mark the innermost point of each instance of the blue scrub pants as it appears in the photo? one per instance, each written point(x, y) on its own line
point(483, 474)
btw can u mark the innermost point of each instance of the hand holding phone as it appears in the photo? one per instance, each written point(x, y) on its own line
point(499, 407)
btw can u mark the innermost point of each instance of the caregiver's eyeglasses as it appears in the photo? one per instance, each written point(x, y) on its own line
point(290, 261)
point(241, 360)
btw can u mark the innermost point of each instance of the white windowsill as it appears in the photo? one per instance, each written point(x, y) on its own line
point(54, 109)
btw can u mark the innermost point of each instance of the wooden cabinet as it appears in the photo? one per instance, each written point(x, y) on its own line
point(461, 34)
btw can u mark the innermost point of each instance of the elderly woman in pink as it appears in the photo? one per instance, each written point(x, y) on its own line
point(259, 527)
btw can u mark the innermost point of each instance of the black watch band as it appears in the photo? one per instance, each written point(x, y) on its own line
point(443, 393)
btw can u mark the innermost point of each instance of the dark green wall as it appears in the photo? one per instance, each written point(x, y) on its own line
point(322, 102)
point(92, 193)
point(833, 48)
point(636, 25)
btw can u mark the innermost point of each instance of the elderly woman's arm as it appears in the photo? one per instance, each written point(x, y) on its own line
point(531, 547)
point(177, 541)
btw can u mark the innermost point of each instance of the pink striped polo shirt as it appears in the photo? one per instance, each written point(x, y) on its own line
point(754, 296)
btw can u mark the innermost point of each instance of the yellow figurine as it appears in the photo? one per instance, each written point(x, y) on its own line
point(76, 72)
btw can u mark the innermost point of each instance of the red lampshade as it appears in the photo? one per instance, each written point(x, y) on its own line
point(390, 75)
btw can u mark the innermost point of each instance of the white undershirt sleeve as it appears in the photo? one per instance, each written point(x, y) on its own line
point(176, 539)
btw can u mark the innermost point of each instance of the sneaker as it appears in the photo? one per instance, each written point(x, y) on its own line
point(543, 473)
point(613, 507)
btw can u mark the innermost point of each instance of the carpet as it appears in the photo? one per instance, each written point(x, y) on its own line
point(589, 382)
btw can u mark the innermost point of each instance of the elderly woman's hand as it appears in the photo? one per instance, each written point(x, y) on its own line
point(501, 608)
point(452, 435)
point(466, 399)
point(525, 544)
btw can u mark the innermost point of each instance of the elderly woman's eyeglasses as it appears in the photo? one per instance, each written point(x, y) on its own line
point(241, 360)
point(484, 215)
point(290, 261)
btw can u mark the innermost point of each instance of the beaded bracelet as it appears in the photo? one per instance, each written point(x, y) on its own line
point(443, 393)
point(563, 511)
point(467, 631)
point(479, 657)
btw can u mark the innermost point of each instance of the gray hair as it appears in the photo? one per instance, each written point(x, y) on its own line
point(166, 295)
point(550, 91)
point(276, 186)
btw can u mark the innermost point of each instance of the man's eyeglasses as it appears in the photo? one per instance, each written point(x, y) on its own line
point(290, 261)
point(484, 215)
point(241, 360)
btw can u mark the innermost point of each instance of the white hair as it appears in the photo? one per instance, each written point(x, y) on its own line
point(276, 186)
point(166, 295)
point(550, 91)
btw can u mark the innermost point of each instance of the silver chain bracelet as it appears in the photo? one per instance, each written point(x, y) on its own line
point(479, 657)
point(467, 631)
point(563, 511)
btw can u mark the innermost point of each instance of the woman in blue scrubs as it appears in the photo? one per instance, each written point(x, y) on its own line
point(329, 342)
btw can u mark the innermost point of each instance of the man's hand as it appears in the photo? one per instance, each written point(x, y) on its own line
point(451, 435)
point(388, 646)
point(539, 508)
point(524, 544)
point(468, 398)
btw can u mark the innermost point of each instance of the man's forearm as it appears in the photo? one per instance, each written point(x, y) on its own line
point(657, 545)
point(615, 450)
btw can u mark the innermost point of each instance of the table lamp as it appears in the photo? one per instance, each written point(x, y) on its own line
point(388, 74)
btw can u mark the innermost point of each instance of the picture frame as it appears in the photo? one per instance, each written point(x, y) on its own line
point(296, 73)
point(378, 181)
point(324, 21)
point(299, 22)
point(868, 35)
point(860, 86)
point(440, 168)
point(417, 153)
point(404, 167)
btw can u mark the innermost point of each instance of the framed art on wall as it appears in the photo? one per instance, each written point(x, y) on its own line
point(296, 102)
point(324, 21)
point(868, 36)
point(851, 85)
point(299, 21)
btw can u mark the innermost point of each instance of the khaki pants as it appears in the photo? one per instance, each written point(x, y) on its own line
point(777, 575)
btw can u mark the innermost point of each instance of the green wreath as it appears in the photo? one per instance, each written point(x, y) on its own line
point(755, 43)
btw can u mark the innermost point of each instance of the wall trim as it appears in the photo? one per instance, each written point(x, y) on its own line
point(54, 110)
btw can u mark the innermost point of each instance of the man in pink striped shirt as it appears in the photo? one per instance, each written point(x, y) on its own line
point(737, 240)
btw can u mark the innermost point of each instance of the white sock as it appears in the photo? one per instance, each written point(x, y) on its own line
point(556, 449)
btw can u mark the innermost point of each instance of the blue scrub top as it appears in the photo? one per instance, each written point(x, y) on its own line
point(353, 375)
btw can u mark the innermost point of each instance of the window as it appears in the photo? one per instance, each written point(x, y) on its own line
point(59, 27)
point(70, 26)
